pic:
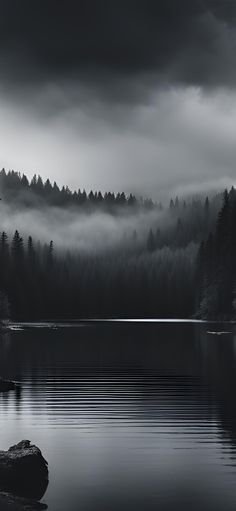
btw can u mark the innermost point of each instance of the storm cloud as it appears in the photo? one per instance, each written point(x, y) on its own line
point(100, 41)
point(126, 95)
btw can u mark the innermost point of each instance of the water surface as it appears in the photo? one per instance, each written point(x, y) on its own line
point(129, 415)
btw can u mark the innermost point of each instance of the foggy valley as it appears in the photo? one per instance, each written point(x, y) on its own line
point(117, 255)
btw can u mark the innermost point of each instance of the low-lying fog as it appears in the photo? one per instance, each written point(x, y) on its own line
point(70, 228)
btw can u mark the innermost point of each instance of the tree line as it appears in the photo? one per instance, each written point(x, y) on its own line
point(16, 189)
point(184, 268)
point(38, 283)
point(216, 265)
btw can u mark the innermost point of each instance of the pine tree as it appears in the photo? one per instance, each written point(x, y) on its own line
point(17, 248)
point(50, 250)
point(31, 251)
point(4, 244)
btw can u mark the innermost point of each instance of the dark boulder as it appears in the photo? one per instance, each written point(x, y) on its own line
point(10, 502)
point(6, 385)
point(24, 471)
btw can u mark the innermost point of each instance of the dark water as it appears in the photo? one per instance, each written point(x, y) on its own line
point(129, 415)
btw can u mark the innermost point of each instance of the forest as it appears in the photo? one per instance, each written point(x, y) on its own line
point(182, 265)
point(17, 190)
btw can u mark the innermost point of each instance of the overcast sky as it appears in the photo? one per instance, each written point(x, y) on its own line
point(133, 95)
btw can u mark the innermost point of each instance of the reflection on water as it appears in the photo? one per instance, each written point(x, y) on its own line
point(129, 416)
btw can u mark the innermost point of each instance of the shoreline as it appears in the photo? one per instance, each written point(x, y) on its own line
point(55, 324)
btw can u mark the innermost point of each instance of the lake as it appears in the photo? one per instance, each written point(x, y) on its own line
point(129, 415)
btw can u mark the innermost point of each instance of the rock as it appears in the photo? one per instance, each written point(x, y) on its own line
point(6, 385)
point(9, 502)
point(24, 471)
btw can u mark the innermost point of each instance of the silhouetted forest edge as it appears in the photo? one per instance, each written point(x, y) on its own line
point(182, 266)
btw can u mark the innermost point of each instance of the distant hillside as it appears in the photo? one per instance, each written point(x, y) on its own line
point(15, 188)
point(179, 262)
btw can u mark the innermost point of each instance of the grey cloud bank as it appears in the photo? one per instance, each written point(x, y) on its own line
point(182, 141)
point(192, 41)
point(132, 95)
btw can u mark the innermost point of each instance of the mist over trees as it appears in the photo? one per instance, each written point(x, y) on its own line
point(182, 265)
point(17, 190)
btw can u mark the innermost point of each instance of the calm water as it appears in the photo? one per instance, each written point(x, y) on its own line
point(129, 415)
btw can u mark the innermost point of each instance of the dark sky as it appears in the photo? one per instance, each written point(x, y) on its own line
point(130, 94)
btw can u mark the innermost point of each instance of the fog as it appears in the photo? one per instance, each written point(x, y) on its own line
point(70, 229)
